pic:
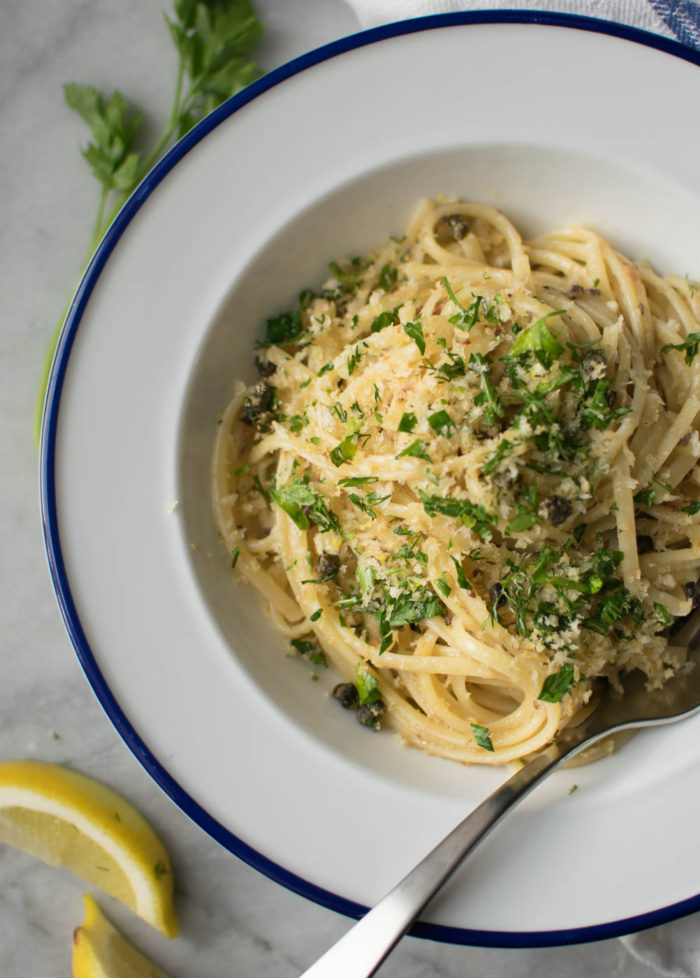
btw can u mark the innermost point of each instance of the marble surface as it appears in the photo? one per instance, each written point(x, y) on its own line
point(233, 920)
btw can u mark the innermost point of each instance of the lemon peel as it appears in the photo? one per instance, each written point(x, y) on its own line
point(100, 951)
point(69, 819)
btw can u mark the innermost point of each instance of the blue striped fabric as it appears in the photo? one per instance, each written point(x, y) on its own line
point(682, 17)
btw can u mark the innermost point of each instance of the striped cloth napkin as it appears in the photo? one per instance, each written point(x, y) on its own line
point(673, 949)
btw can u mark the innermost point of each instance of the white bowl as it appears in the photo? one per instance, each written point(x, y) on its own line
point(552, 119)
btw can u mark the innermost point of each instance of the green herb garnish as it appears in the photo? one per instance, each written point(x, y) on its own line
point(384, 319)
point(366, 685)
point(345, 451)
point(214, 42)
point(537, 339)
point(387, 277)
point(472, 515)
point(415, 331)
point(482, 736)
point(690, 345)
point(305, 506)
point(417, 449)
point(557, 685)
point(441, 423)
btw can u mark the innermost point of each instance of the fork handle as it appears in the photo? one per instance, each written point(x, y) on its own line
point(360, 952)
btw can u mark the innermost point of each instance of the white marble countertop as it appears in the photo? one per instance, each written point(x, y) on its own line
point(233, 920)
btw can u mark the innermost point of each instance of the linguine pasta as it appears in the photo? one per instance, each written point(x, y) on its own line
point(468, 478)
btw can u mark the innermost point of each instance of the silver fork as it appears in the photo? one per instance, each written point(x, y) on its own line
point(360, 952)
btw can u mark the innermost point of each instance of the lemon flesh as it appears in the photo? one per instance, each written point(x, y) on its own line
point(100, 951)
point(68, 819)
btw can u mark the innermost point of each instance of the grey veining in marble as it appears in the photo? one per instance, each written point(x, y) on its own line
point(233, 920)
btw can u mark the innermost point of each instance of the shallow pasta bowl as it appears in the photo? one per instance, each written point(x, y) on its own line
point(324, 158)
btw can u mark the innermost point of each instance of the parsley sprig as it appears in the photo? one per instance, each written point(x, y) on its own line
point(214, 40)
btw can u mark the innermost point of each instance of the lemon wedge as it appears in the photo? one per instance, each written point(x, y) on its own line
point(68, 819)
point(100, 951)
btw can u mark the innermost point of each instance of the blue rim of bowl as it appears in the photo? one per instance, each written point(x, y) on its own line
point(431, 931)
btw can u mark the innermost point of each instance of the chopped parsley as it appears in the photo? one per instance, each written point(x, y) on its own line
point(482, 736)
point(690, 345)
point(415, 331)
point(387, 277)
point(305, 506)
point(408, 422)
point(527, 515)
point(358, 480)
point(557, 685)
point(310, 650)
point(462, 578)
point(493, 408)
point(367, 685)
point(441, 423)
point(345, 451)
point(285, 329)
point(384, 319)
point(466, 318)
point(493, 462)
point(442, 586)
point(343, 276)
point(537, 339)
point(471, 515)
point(417, 449)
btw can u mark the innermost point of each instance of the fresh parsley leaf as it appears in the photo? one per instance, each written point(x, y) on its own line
point(387, 277)
point(537, 339)
point(417, 449)
point(326, 368)
point(415, 331)
point(408, 422)
point(646, 497)
point(346, 277)
point(450, 371)
point(284, 329)
point(113, 124)
point(353, 360)
point(493, 408)
point(442, 585)
point(366, 504)
point(358, 480)
point(493, 462)
point(214, 39)
point(309, 650)
point(482, 736)
point(412, 607)
point(464, 318)
point(367, 685)
point(441, 423)
point(692, 508)
point(462, 578)
point(345, 451)
point(691, 345)
point(384, 319)
point(662, 613)
point(472, 515)
point(234, 556)
point(260, 488)
point(297, 422)
point(595, 409)
point(305, 506)
point(557, 685)
point(527, 515)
